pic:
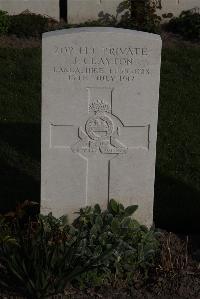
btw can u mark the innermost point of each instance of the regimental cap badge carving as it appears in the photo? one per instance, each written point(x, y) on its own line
point(101, 130)
point(99, 106)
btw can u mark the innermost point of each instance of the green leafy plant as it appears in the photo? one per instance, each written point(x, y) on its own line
point(4, 22)
point(48, 254)
point(187, 25)
point(140, 14)
point(136, 247)
point(28, 25)
point(40, 257)
point(6, 237)
point(134, 14)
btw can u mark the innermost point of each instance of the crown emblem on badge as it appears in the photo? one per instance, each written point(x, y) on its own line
point(99, 106)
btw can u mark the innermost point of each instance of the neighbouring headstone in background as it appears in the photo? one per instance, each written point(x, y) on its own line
point(43, 7)
point(176, 7)
point(99, 119)
point(80, 11)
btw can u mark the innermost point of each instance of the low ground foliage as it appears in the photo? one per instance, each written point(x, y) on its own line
point(28, 25)
point(4, 22)
point(153, 263)
point(187, 25)
point(40, 257)
point(25, 24)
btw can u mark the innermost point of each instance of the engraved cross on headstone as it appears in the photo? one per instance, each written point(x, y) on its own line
point(100, 139)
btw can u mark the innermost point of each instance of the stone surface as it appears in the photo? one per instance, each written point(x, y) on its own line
point(99, 119)
point(80, 11)
point(43, 7)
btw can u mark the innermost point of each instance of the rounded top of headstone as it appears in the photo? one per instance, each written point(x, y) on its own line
point(100, 30)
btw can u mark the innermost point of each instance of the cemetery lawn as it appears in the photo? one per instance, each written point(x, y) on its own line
point(177, 188)
point(20, 101)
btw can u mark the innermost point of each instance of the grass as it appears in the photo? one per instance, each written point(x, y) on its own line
point(177, 188)
point(20, 101)
point(178, 151)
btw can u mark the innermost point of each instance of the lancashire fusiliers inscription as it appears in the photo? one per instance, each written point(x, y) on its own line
point(102, 64)
point(99, 119)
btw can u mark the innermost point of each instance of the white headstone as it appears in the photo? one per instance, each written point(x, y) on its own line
point(99, 119)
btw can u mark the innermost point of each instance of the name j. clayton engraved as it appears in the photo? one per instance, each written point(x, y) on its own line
point(100, 132)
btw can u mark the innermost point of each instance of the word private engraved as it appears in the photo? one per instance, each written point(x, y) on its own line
point(101, 131)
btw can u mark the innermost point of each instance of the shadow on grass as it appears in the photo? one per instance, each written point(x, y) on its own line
point(19, 163)
point(176, 205)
